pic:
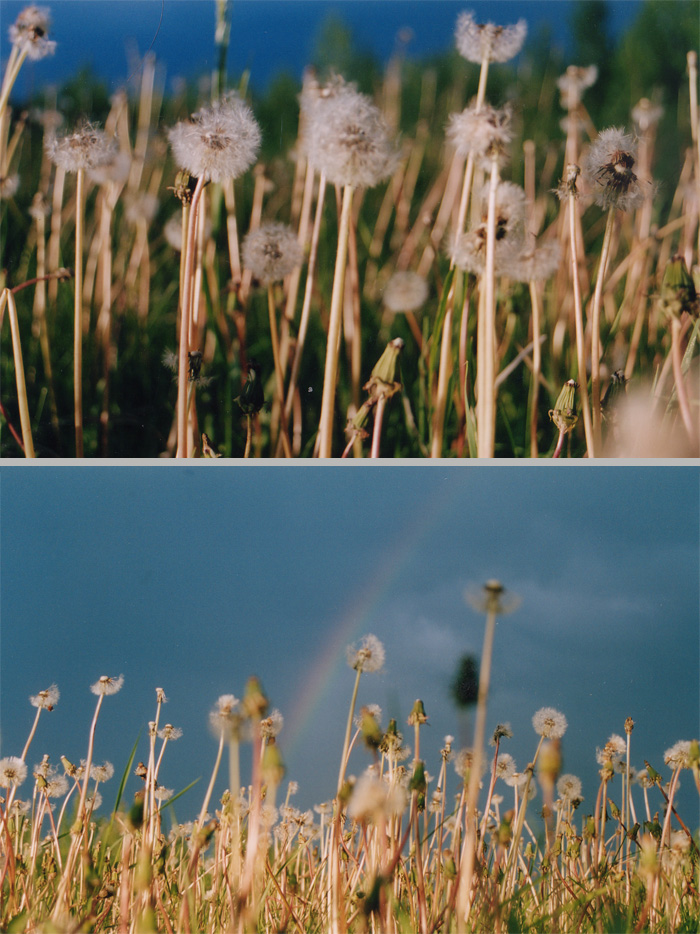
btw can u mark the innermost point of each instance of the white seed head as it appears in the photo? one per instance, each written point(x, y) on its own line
point(271, 726)
point(30, 32)
point(13, 772)
point(47, 698)
point(484, 134)
point(405, 291)
point(86, 148)
point(102, 773)
point(646, 115)
point(608, 170)
point(218, 142)
point(271, 252)
point(549, 723)
point(170, 732)
point(569, 787)
point(536, 262)
point(574, 82)
point(678, 756)
point(348, 139)
point(107, 685)
point(485, 41)
point(368, 657)
point(505, 766)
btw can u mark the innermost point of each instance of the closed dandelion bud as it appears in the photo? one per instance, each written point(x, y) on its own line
point(505, 829)
point(589, 829)
point(272, 764)
point(678, 292)
point(371, 731)
point(549, 763)
point(254, 702)
point(345, 792)
point(449, 867)
point(135, 815)
point(648, 862)
point(418, 714)
point(694, 754)
point(418, 782)
point(653, 774)
point(564, 412)
point(70, 769)
point(614, 809)
point(629, 725)
point(574, 848)
point(183, 188)
point(252, 398)
point(383, 381)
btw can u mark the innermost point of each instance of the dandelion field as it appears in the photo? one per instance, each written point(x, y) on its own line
point(422, 298)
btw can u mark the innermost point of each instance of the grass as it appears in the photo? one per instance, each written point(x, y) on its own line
point(408, 845)
point(92, 347)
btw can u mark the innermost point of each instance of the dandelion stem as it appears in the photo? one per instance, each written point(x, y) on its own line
point(25, 421)
point(578, 314)
point(595, 327)
point(333, 343)
point(78, 318)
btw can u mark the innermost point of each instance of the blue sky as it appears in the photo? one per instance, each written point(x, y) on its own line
point(194, 578)
point(268, 36)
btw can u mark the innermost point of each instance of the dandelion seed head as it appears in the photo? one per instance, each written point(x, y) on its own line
point(13, 772)
point(502, 731)
point(349, 140)
point(107, 685)
point(56, 786)
point(227, 715)
point(678, 756)
point(102, 773)
point(271, 252)
point(569, 787)
point(608, 170)
point(372, 797)
point(9, 184)
point(646, 114)
point(86, 148)
point(549, 723)
point(505, 766)
point(272, 726)
point(613, 751)
point(170, 732)
point(405, 291)
point(30, 32)
point(368, 657)
point(484, 133)
point(574, 82)
point(485, 41)
point(536, 262)
point(46, 699)
point(218, 142)
point(162, 793)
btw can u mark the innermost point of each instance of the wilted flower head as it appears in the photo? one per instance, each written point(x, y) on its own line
point(368, 657)
point(13, 772)
point(574, 82)
point(348, 139)
point(502, 731)
point(608, 170)
point(47, 699)
point(218, 142)
point(549, 723)
point(107, 685)
point(271, 726)
point(405, 291)
point(86, 148)
point(678, 756)
point(29, 32)
point(569, 787)
point(478, 42)
point(484, 133)
point(271, 252)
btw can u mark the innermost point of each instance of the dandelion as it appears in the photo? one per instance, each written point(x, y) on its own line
point(13, 772)
point(549, 723)
point(505, 766)
point(646, 114)
point(271, 726)
point(8, 186)
point(478, 42)
point(569, 787)
point(227, 714)
point(613, 751)
point(405, 291)
point(678, 756)
point(170, 732)
point(218, 142)
point(608, 170)
point(162, 793)
point(106, 685)
point(502, 731)
point(368, 657)
point(47, 699)
point(56, 786)
point(574, 82)
point(374, 798)
point(88, 147)
point(536, 262)
point(348, 139)
point(484, 133)
point(102, 773)
point(468, 250)
point(29, 33)
point(271, 252)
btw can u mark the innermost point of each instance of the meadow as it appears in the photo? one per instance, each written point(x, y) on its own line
point(469, 842)
point(492, 254)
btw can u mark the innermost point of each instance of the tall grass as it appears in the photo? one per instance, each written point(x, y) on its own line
point(408, 845)
point(486, 355)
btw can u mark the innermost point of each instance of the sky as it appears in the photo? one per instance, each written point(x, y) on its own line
point(267, 36)
point(193, 578)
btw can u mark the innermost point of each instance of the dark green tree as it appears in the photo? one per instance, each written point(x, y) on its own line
point(465, 686)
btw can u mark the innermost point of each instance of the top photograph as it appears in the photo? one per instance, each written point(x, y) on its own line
point(315, 229)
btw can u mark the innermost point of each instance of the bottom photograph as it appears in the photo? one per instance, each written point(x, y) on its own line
point(349, 699)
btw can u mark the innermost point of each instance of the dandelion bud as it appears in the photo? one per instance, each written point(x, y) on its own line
point(383, 380)
point(371, 731)
point(564, 412)
point(417, 714)
point(254, 701)
point(252, 398)
point(418, 781)
point(678, 292)
point(272, 764)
